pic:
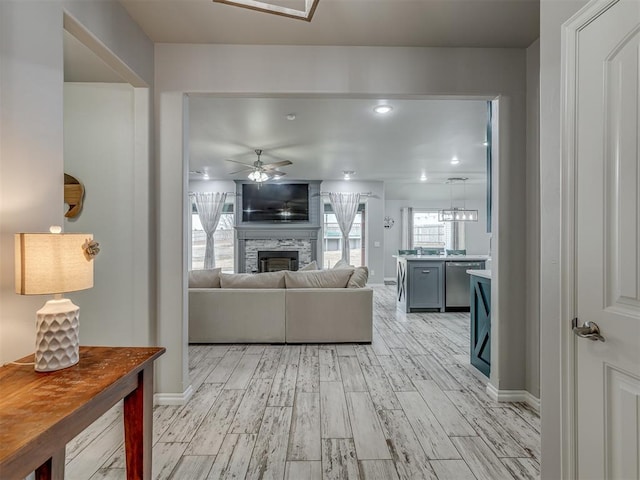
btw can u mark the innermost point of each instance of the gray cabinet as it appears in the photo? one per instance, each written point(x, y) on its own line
point(420, 285)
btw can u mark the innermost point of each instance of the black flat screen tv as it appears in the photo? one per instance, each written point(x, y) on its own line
point(275, 202)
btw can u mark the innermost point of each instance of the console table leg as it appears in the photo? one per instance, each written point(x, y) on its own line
point(52, 469)
point(138, 421)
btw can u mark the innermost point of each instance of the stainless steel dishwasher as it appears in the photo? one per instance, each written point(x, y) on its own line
point(457, 283)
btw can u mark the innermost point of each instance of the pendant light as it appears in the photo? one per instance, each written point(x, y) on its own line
point(458, 214)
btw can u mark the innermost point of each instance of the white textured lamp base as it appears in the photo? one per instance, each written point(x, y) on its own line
point(57, 344)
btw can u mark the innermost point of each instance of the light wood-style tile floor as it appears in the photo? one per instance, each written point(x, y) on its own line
point(408, 406)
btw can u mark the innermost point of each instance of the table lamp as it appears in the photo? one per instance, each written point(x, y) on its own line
point(55, 263)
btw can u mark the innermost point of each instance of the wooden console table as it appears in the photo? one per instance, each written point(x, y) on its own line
point(41, 412)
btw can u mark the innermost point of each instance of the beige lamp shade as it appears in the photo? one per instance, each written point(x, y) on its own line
point(48, 263)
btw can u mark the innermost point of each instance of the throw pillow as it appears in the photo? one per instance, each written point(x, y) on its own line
point(311, 266)
point(341, 264)
point(318, 279)
point(209, 278)
point(358, 278)
point(252, 280)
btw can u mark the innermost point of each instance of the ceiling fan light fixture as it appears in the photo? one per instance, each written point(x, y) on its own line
point(258, 176)
point(455, 161)
point(260, 171)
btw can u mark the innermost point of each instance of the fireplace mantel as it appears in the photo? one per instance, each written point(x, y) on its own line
point(284, 230)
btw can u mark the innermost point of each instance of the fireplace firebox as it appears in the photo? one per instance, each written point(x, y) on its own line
point(276, 260)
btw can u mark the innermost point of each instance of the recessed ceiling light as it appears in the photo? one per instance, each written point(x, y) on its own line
point(382, 109)
point(291, 116)
point(455, 161)
point(205, 176)
point(348, 174)
point(423, 177)
point(485, 144)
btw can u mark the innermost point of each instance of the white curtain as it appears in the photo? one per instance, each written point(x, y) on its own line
point(209, 206)
point(345, 208)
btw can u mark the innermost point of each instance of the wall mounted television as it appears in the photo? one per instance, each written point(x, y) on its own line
point(275, 202)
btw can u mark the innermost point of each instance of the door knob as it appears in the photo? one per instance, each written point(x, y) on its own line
point(588, 330)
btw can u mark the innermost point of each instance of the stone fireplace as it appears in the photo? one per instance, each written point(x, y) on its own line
point(304, 247)
point(276, 260)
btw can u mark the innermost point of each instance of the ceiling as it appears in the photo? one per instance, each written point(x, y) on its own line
point(331, 135)
point(433, 23)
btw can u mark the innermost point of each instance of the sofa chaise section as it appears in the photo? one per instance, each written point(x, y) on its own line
point(329, 315)
point(236, 315)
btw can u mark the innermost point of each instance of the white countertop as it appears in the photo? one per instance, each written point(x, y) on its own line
point(480, 273)
point(444, 258)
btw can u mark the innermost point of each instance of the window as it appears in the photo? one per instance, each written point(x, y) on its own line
point(429, 232)
point(332, 238)
point(223, 240)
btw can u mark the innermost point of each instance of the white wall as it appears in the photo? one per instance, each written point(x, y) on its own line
point(374, 71)
point(477, 239)
point(553, 14)
point(374, 233)
point(213, 186)
point(533, 220)
point(31, 137)
point(99, 151)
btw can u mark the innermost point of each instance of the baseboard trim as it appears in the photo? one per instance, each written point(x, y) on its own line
point(513, 396)
point(173, 398)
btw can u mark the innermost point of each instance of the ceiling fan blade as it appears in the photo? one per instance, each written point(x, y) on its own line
point(248, 169)
point(275, 173)
point(241, 163)
point(271, 166)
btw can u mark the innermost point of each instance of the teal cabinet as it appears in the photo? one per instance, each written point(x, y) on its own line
point(481, 324)
point(420, 285)
point(426, 285)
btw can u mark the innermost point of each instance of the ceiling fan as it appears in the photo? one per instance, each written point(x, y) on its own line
point(260, 171)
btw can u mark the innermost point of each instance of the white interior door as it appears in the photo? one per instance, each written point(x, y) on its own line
point(603, 162)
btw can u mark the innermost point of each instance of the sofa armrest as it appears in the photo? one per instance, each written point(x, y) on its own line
point(329, 315)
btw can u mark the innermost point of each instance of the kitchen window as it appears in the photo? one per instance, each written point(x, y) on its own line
point(426, 231)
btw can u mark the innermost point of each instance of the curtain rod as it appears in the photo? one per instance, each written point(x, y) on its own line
point(362, 194)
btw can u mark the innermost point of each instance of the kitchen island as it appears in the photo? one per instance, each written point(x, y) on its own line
point(480, 318)
point(422, 280)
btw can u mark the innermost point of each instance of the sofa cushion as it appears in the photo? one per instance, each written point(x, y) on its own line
point(209, 278)
point(311, 266)
point(358, 278)
point(335, 278)
point(341, 264)
point(252, 280)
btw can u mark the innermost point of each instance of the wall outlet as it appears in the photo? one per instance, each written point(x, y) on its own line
point(372, 272)
point(376, 244)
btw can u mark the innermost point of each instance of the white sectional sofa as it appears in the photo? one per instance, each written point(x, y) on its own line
point(311, 314)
